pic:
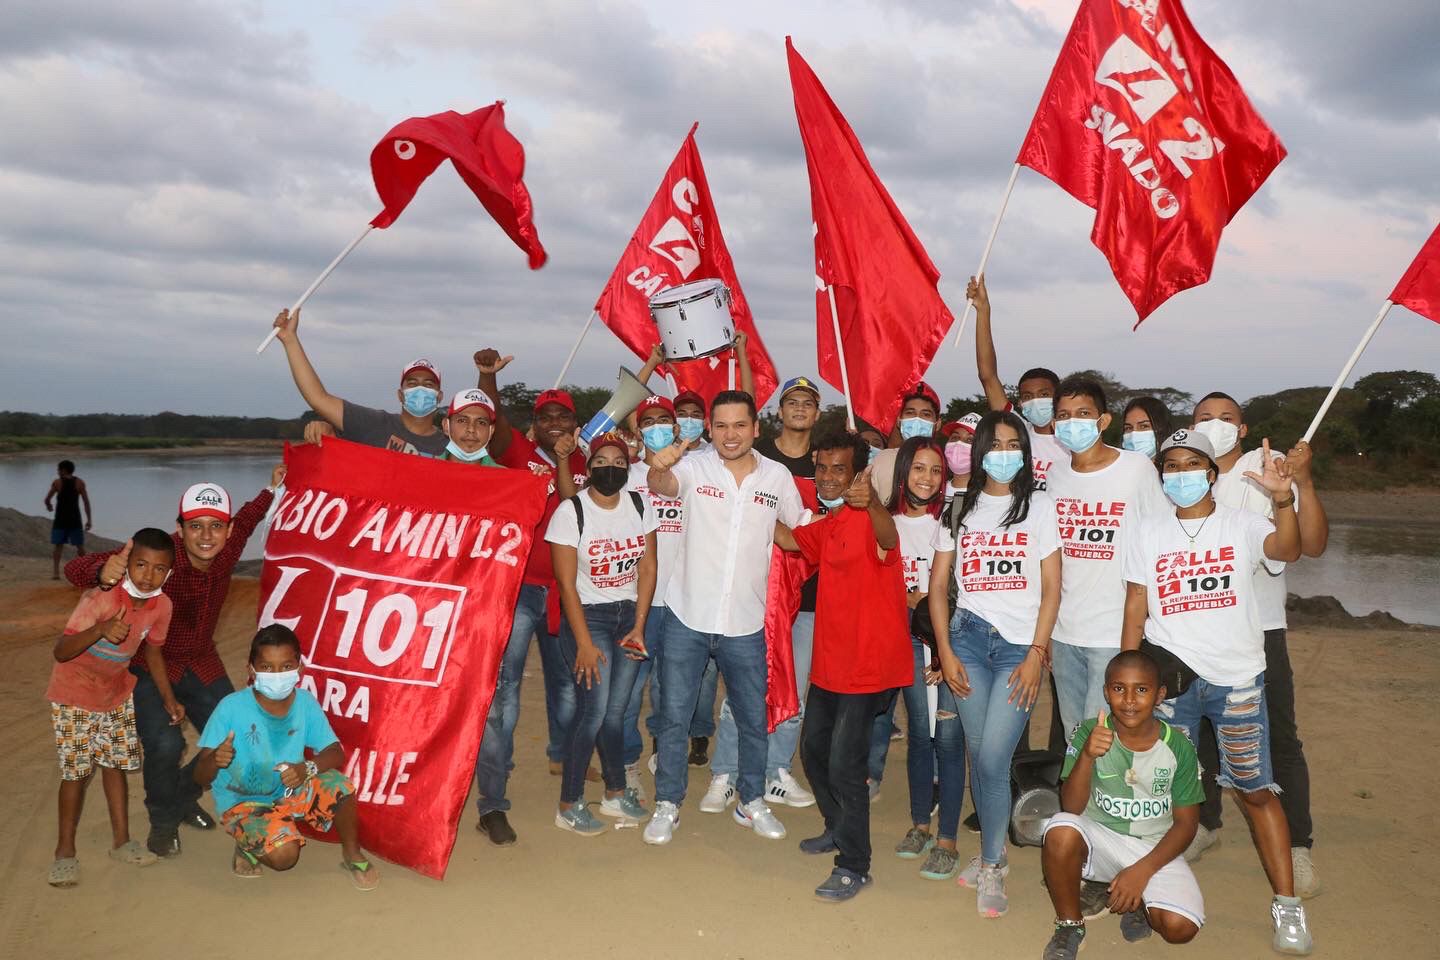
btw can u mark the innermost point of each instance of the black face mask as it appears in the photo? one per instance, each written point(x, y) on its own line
point(915, 501)
point(608, 481)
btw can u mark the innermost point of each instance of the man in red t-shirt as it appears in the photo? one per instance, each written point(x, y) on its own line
point(862, 651)
point(537, 612)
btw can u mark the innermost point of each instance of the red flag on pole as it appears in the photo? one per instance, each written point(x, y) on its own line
point(486, 155)
point(1144, 123)
point(890, 314)
point(1419, 289)
point(679, 240)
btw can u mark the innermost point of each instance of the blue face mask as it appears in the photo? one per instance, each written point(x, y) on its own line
point(420, 401)
point(658, 436)
point(277, 686)
point(830, 504)
point(1039, 411)
point(916, 427)
point(1077, 435)
point(454, 451)
point(1187, 488)
point(1002, 465)
point(1141, 441)
point(690, 428)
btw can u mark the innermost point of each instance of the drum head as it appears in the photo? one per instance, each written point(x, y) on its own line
point(694, 290)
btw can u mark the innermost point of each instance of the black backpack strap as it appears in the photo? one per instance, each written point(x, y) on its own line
point(579, 517)
point(639, 502)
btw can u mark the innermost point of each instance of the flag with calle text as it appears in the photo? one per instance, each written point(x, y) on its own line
point(890, 313)
point(486, 155)
point(399, 574)
point(679, 241)
point(1142, 122)
point(1419, 289)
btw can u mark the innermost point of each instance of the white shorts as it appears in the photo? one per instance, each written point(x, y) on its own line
point(1173, 887)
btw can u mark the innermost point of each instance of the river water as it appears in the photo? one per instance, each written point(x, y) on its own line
point(1370, 565)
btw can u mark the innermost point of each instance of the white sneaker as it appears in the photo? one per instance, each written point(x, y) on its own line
point(758, 817)
point(1307, 881)
point(632, 781)
point(1292, 933)
point(1204, 840)
point(719, 796)
point(786, 790)
point(662, 825)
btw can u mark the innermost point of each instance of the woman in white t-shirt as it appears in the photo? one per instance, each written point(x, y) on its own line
point(602, 544)
point(1008, 579)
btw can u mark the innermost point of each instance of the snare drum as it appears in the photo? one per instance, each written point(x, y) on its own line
point(694, 319)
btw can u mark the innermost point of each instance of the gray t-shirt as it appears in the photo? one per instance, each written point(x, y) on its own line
point(381, 428)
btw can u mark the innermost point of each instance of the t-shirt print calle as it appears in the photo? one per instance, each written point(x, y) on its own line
point(1189, 580)
point(994, 561)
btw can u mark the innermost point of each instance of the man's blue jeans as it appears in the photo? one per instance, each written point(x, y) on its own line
point(600, 707)
point(1080, 681)
point(701, 725)
point(497, 748)
point(682, 666)
point(780, 748)
point(992, 725)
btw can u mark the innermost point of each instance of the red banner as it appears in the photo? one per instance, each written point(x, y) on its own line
point(1144, 123)
point(788, 573)
point(1419, 289)
point(400, 574)
point(679, 240)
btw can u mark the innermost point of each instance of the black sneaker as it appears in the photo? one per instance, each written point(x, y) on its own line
point(1135, 926)
point(496, 826)
point(824, 843)
point(699, 751)
point(198, 818)
point(972, 822)
point(1094, 899)
point(1064, 943)
point(164, 842)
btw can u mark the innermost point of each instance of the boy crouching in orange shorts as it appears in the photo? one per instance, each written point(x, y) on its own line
point(253, 755)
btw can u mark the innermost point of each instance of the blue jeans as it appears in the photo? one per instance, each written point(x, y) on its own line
point(780, 747)
point(1080, 681)
point(701, 725)
point(1242, 728)
point(682, 667)
point(992, 726)
point(880, 742)
point(497, 747)
point(600, 708)
point(169, 787)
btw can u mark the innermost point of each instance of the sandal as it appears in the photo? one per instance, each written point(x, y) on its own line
point(362, 873)
point(245, 866)
point(64, 872)
point(133, 853)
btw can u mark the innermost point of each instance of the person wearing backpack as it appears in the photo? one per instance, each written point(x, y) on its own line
point(602, 545)
point(1005, 560)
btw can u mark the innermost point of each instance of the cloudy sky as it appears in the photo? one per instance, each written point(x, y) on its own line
point(174, 171)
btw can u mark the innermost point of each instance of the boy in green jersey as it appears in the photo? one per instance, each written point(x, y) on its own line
point(1131, 798)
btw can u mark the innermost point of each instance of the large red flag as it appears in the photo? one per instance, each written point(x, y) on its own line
point(891, 316)
point(1144, 123)
point(679, 240)
point(399, 575)
point(486, 155)
point(788, 573)
point(1419, 289)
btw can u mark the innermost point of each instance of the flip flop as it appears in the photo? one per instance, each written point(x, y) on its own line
point(133, 853)
point(244, 866)
point(362, 873)
point(64, 872)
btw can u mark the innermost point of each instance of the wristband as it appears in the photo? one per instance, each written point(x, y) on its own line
point(1284, 504)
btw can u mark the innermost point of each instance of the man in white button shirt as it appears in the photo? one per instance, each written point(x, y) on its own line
point(732, 497)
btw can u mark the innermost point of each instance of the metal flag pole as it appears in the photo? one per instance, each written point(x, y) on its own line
point(1345, 373)
point(275, 331)
point(985, 257)
point(840, 351)
point(574, 350)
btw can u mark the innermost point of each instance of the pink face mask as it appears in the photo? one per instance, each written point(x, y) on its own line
point(957, 455)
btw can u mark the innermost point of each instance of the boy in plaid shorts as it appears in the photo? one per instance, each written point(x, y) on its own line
point(90, 689)
point(252, 753)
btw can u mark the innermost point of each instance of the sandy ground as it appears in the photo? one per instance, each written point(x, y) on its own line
point(1366, 707)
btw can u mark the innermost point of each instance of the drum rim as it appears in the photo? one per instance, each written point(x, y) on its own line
point(668, 297)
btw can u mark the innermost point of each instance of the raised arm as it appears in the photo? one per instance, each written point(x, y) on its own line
point(742, 359)
point(488, 363)
point(1314, 524)
point(652, 363)
point(986, 363)
point(565, 484)
point(661, 478)
point(1284, 543)
point(861, 495)
point(322, 401)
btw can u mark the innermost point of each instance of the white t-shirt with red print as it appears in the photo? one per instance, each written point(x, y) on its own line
point(610, 548)
point(917, 549)
point(670, 517)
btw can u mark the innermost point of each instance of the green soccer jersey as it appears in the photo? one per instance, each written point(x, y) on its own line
point(1134, 793)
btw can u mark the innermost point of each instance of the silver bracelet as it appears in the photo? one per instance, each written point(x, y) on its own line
point(312, 769)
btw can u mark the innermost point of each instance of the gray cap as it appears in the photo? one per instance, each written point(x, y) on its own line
point(1189, 440)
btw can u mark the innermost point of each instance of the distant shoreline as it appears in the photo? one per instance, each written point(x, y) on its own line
point(213, 447)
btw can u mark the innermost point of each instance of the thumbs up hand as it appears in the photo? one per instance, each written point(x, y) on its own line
point(667, 457)
point(860, 493)
point(1100, 738)
point(117, 629)
point(115, 567)
point(225, 753)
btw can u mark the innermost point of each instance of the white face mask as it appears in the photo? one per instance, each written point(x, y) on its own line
point(454, 450)
point(129, 587)
point(1222, 435)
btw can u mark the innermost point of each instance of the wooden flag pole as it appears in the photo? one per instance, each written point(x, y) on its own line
point(840, 351)
point(1345, 373)
point(275, 331)
point(574, 350)
point(985, 257)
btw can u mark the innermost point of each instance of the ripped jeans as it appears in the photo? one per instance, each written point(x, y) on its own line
point(1242, 727)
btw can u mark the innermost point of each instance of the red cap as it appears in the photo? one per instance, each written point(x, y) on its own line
point(611, 439)
point(690, 396)
point(561, 397)
point(922, 389)
point(654, 403)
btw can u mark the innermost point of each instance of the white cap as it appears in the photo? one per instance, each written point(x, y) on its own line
point(205, 500)
point(1190, 440)
point(471, 398)
point(971, 420)
point(419, 363)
